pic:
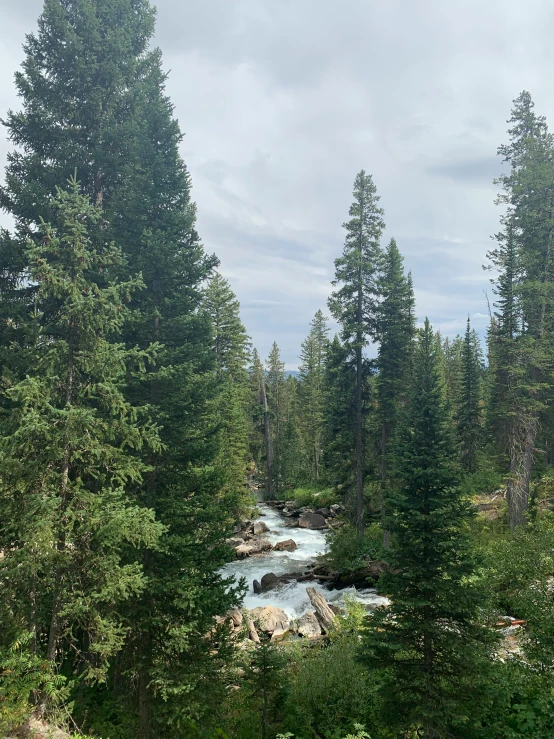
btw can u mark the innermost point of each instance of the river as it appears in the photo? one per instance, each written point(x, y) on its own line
point(292, 598)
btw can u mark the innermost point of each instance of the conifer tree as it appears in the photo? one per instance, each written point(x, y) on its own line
point(339, 430)
point(396, 329)
point(313, 358)
point(429, 643)
point(528, 193)
point(280, 396)
point(354, 302)
point(469, 411)
point(69, 453)
point(93, 99)
point(261, 416)
point(231, 348)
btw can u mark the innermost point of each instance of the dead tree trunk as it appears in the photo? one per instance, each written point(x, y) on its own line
point(325, 615)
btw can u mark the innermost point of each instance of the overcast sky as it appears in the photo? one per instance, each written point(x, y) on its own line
point(283, 101)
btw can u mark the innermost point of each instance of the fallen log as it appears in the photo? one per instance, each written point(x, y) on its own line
point(324, 613)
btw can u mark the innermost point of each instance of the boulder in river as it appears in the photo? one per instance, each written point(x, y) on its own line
point(325, 512)
point(308, 625)
point(256, 546)
point(312, 521)
point(270, 581)
point(288, 545)
point(269, 618)
point(260, 527)
point(256, 587)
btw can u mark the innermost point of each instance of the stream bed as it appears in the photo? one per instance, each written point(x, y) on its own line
point(292, 597)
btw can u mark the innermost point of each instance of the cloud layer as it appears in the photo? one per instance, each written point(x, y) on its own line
point(282, 103)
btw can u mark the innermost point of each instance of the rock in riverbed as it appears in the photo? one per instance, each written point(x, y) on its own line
point(288, 545)
point(312, 521)
point(269, 618)
point(308, 625)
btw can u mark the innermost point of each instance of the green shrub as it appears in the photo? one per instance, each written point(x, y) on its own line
point(21, 674)
point(313, 496)
point(348, 551)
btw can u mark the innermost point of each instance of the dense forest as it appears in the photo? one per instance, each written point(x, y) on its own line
point(140, 429)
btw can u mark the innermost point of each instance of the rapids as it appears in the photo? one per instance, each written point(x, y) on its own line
point(292, 598)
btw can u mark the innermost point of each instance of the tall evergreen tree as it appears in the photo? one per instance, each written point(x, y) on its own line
point(528, 194)
point(71, 526)
point(339, 430)
point(429, 643)
point(281, 396)
point(93, 99)
point(261, 417)
point(313, 357)
point(231, 346)
point(354, 302)
point(396, 330)
point(469, 411)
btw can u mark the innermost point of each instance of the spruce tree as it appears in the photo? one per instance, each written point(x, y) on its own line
point(469, 411)
point(429, 643)
point(355, 300)
point(93, 99)
point(339, 430)
point(396, 329)
point(313, 357)
point(231, 347)
point(261, 419)
point(528, 194)
point(72, 529)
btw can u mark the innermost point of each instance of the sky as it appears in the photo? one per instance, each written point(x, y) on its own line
point(282, 102)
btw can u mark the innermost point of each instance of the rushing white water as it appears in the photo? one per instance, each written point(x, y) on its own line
point(292, 598)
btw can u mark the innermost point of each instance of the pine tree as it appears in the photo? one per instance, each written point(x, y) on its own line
point(93, 99)
point(339, 431)
point(313, 357)
point(279, 402)
point(429, 643)
point(396, 329)
point(354, 302)
point(528, 193)
point(69, 453)
point(469, 411)
point(261, 418)
point(231, 348)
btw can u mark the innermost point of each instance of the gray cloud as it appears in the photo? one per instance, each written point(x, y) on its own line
point(282, 103)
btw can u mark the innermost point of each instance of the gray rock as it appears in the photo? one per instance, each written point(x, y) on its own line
point(270, 618)
point(288, 545)
point(235, 617)
point(325, 512)
point(256, 546)
point(256, 587)
point(308, 625)
point(260, 527)
point(312, 521)
point(270, 581)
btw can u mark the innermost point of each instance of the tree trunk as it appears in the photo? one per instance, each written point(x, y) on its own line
point(359, 443)
point(144, 717)
point(521, 467)
point(325, 614)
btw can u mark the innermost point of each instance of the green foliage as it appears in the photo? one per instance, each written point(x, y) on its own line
point(354, 304)
point(330, 690)
point(313, 496)
point(69, 451)
point(22, 673)
point(313, 358)
point(429, 644)
point(348, 551)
